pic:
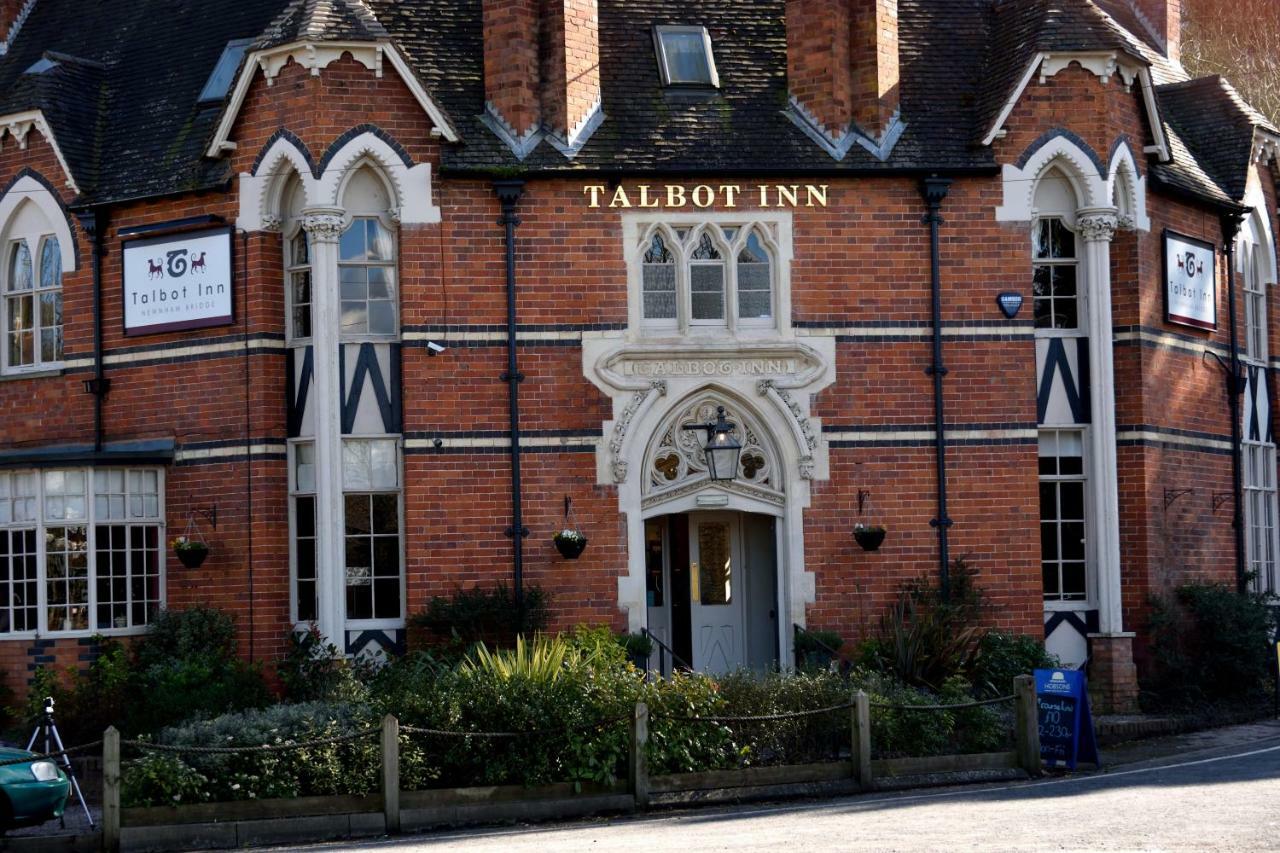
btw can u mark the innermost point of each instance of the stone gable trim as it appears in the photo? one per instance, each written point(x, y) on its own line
point(316, 57)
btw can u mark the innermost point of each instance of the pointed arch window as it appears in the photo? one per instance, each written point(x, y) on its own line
point(367, 277)
point(706, 282)
point(707, 277)
point(659, 282)
point(33, 303)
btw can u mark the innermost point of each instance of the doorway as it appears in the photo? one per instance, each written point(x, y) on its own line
point(711, 590)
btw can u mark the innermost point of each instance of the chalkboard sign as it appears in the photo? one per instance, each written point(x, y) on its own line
point(1066, 726)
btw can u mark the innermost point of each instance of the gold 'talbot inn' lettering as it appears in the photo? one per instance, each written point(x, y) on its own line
point(703, 196)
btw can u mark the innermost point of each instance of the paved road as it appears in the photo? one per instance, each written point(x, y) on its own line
point(1222, 800)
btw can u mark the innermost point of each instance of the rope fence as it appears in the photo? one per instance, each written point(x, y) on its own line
point(957, 706)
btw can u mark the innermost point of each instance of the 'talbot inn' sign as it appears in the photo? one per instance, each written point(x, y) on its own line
point(177, 282)
point(1190, 281)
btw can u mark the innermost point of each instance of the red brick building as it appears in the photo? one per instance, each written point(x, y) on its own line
point(359, 292)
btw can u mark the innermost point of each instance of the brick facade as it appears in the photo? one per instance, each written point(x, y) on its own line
point(860, 269)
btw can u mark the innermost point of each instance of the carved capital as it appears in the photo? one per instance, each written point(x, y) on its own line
point(1097, 227)
point(1127, 222)
point(323, 225)
point(271, 222)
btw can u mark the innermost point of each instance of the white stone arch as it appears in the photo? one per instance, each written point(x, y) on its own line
point(410, 185)
point(1257, 230)
point(262, 201)
point(1064, 154)
point(29, 191)
point(770, 420)
point(1127, 189)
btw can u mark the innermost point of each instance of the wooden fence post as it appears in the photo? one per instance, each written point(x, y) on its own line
point(639, 769)
point(391, 773)
point(860, 740)
point(111, 790)
point(1027, 724)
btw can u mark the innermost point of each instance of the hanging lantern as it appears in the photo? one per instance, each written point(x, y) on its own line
point(722, 449)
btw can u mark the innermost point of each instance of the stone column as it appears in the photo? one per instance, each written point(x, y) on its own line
point(1113, 676)
point(324, 226)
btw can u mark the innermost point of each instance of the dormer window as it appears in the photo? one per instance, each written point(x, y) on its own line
point(224, 72)
point(684, 56)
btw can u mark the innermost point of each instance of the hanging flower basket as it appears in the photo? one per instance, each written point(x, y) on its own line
point(570, 543)
point(191, 553)
point(869, 536)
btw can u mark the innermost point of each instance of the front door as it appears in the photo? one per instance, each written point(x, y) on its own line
point(717, 592)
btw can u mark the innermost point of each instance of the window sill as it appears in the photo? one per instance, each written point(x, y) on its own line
point(28, 636)
point(42, 373)
point(1055, 606)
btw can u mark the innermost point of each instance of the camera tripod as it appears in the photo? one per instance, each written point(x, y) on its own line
point(47, 732)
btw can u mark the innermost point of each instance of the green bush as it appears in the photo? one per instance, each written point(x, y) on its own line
point(314, 669)
point(814, 649)
point(1209, 643)
point(481, 615)
point(1002, 657)
point(186, 666)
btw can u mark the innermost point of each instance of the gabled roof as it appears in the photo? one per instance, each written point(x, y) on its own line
point(126, 115)
point(126, 106)
point(322, 20)
point(1219, 131)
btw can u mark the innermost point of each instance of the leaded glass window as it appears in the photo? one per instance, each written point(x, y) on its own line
point(755, 281)
point(659, 281)
point(706, 282)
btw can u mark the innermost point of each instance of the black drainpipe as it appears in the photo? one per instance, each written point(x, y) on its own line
point(1235, 387)
point(92, 223)
point(934, 190)
point(509, 192)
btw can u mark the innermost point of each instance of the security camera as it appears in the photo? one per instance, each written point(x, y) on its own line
point(434, 348)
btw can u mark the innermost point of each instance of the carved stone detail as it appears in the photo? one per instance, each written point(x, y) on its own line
point(764, 386)
point(623, 423)
point(677, 458)
point(324, 226)
point(271, 222)
point(1097, 227)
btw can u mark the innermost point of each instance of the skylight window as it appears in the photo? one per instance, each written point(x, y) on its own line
point(41, 65)
point(224, 73)
point(684, 56)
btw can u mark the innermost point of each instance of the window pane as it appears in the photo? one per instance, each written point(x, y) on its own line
point(707, 285)
point(686, 55)
point(382, 318)
point(715, 569)
point(356, 515)
point(382, 463)
point(379, 282)
point(351, 246)
point(50, 263)
point(381, 242)
point(354, 318)
point(386, 514)
point(304, 467)
point(659, 291)
point(298, 250)
point(20, 268)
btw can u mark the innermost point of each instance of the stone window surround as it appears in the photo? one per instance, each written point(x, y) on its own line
point(775, 228)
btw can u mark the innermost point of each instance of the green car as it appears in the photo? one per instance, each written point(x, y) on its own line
point(31, 792)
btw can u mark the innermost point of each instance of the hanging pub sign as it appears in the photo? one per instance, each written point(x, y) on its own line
point(1066, 726)
point(177, 282)
point(1190, 281)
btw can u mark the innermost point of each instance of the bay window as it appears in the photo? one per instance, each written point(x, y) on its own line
point(80, 549)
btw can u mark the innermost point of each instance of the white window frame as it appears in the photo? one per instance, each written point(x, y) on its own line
point(386, 622)
point(1255, 306)
point(296, 491)
point(349, 222)
point(1090, 561)
point(1260, 507)
point(775, 232)
point(290, 233)
point(1076, 261)
point(664, 67)
point(35, 242)
point(90, 522)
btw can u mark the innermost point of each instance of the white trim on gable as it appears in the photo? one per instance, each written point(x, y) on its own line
point(317, 56)
point(19, 125)
point(1103, 64)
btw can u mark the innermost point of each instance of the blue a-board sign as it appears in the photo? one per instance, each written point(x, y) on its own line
point(1066, 726)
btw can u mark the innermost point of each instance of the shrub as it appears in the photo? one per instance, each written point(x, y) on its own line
point(1002, 657)
point(1209, 643)
point(485, 615)
point(350, 767)
point(926, 638)
point(817, 649)
point(314, 668)
point(85, 701)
